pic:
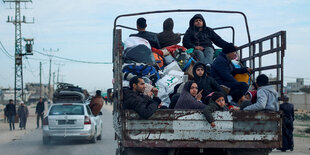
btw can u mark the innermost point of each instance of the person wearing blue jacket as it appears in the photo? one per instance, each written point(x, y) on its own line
point(267, 96)
point(222, 70)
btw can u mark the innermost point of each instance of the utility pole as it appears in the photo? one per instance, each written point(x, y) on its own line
point(58, 70)
point(40, 79)
point(50, 71)
point(17, 21)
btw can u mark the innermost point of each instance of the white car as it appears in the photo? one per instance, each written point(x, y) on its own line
point(71, 121)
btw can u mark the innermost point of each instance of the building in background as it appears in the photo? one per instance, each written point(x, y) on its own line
point(34, 91)
point(295, 86)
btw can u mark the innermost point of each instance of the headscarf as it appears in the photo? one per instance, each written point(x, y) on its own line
point(186, 100)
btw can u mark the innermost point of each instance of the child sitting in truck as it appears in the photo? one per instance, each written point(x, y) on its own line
point(267, 96)
point(239, 100)
point(217, 103)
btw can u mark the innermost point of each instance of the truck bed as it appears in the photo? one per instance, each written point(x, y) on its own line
point(189, 129)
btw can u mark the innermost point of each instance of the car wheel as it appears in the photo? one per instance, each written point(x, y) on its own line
point(99, 137)
point(46, 140)
point(94, 138)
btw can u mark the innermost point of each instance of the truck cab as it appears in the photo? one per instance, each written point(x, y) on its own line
point(172, 131)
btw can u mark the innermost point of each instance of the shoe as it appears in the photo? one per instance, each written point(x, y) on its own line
point(283, 150)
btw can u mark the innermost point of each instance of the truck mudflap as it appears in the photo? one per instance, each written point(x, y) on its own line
point(189, 129)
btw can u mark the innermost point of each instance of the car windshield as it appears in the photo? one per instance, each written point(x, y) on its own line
point(67, 110)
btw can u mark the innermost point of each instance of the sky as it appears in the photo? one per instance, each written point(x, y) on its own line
point(82, 30)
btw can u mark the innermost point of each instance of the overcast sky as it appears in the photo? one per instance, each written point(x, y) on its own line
point(82, 30)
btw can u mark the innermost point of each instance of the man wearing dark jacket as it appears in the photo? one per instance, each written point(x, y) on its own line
point(205, 82)
point(11, 113)
point(168, 37)
point(149, 36)
point(134, 99)
point(200, 37)
point(222, 70)
point(40, 112)
point(287, 127)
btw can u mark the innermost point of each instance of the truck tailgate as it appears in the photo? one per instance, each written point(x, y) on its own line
point(189, 129)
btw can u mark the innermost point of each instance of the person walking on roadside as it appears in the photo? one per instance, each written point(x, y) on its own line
point(287, 127)
point(22, 114)
point(40, 112)
point(11, 113)
point(96, 103)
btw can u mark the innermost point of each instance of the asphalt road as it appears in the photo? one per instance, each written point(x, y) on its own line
point(31, 143)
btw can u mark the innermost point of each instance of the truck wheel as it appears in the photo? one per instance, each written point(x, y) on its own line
point(46, 140)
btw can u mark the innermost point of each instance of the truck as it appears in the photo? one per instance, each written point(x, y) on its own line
point(175, 132)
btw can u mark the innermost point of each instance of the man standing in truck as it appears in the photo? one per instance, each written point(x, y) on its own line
point(134, 98)
point(150, 37)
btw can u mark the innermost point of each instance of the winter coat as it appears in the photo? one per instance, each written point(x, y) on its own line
point(186, 100)
point(205, 82)
point(10, 109)
point(168, 37)
point(144, 105)
point(22, 111)
point(40, 107)
point(288, 111)
point(96, 104)
point(222, 70)
point(150, 37)
point(210, 108)
point(193, 37)
point(267, 99)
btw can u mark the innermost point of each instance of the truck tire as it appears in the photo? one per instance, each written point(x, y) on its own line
point(248, 151)
point(46, 140)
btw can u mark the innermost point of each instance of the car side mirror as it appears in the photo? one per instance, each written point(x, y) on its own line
point(100, 113)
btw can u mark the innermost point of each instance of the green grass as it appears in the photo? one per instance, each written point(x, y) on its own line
point(307, 130)
point(298, 124)
point(302, 117)
point(301, 135)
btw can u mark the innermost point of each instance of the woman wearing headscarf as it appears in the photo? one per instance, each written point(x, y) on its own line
point(190, 98)
point(168, 37)
point(22, 114)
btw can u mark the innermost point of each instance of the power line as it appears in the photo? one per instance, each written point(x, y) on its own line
point(73, 60)
point(6, 52)
point(30, 69)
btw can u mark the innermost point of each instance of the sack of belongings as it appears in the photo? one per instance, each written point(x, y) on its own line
point(140, 69)
point(138, 50)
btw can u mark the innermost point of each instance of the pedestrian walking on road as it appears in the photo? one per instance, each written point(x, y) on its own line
point(96, 103)
point(22, 114)
point(40, 112)
point(287, 127)
point(11, 113)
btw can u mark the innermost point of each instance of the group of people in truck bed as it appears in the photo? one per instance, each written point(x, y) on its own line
point(213, 78)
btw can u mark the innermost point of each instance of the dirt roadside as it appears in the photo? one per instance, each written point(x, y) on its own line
point(7, 136)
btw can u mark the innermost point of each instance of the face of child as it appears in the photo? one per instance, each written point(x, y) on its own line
point(220, 101)
point(200, 71)
point(194, 89)
point(247, 97)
